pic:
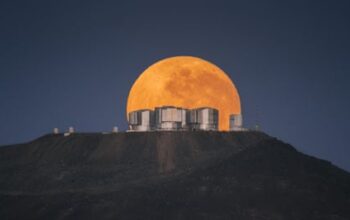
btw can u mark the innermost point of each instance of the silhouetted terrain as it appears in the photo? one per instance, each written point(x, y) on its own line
point(168, 175)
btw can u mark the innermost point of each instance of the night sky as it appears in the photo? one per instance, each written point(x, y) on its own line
point(72, 63)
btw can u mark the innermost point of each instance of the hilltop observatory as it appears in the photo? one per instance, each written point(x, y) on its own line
point(172, 118)
point(141, 120)
point(186, 82)
point(236, 122)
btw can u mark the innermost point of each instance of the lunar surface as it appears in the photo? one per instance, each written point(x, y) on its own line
point(186, 82)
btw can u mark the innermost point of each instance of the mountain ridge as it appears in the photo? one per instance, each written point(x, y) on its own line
point(168, 175)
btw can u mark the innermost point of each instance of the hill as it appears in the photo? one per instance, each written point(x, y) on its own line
point(168, 175)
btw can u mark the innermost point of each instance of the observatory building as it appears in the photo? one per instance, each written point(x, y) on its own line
point(174, 118)
point(141, 120)
point(171, 118)
point(204, 119)
point(236, 122)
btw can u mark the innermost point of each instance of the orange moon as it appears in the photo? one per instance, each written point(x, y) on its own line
point(187, 82)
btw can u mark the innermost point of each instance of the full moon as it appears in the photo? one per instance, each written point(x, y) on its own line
point(187, 82)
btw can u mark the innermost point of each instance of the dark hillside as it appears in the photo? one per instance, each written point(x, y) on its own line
point(168, 175)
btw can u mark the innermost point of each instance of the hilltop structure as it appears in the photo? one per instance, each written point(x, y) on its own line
point(236, 123)
point(174, 118)
point(180, 119)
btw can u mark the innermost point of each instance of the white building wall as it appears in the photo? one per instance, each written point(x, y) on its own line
point(141, 120)
point(204, 119)
point(170, 118)
point(236, 122)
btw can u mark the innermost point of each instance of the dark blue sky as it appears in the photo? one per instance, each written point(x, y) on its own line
point(72, 62)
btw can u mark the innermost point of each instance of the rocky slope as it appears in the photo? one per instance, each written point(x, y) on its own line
point(168, 175)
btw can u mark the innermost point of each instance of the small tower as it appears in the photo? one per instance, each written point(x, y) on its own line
point(56, 131)
point(71, 130)
point(236, 122)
